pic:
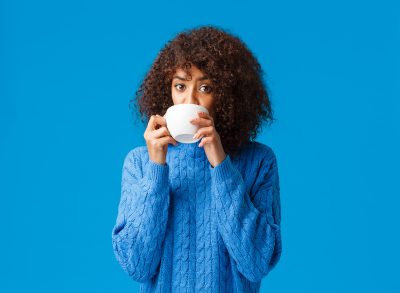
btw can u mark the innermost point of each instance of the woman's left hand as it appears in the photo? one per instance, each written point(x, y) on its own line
point(210, 138)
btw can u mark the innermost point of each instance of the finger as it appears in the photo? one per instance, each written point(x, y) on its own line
point(205, 140)
point(159, 121)
point(201, 121)
point(156, 120)
point(166, 140)
point(160, 132)
point(159, 143)
point(205, 115)
point(204, 131)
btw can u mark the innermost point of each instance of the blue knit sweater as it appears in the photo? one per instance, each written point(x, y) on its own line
point(185, 226)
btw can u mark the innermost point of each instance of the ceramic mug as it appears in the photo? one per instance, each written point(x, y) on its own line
point(178, 121)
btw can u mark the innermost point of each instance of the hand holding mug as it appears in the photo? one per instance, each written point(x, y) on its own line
point(211, 140)
point(157, 138)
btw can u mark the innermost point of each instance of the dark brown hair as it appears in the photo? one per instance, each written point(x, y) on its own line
point(241, 100)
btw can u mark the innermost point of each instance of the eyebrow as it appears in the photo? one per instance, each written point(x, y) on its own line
point(181, 78)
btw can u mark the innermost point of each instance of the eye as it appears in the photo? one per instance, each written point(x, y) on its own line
point(208, 88)
point(177, 86)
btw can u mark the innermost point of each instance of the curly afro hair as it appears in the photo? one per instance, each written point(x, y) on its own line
point(241, 100)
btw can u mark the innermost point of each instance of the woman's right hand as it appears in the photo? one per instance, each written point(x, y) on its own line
point(157, 139)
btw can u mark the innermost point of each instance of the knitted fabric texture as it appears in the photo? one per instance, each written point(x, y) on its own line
point(185, 226)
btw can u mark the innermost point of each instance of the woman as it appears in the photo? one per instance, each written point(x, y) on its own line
point(201, 217)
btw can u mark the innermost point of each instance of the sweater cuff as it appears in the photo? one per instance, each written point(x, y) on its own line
point(224, 170)
point(157, 173)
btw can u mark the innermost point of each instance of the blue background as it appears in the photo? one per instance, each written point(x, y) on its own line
point(68, 70)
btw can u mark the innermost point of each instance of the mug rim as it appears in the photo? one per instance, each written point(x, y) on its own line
point(186, 105)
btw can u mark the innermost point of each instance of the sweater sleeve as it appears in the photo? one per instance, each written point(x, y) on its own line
point(141, 222)
point(249, 228)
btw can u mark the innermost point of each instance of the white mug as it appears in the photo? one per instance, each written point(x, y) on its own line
point(178, 121)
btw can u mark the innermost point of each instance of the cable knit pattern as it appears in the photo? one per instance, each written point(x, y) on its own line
point(185, 226)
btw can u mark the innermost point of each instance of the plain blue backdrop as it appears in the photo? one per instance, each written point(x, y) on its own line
point(68, 70)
